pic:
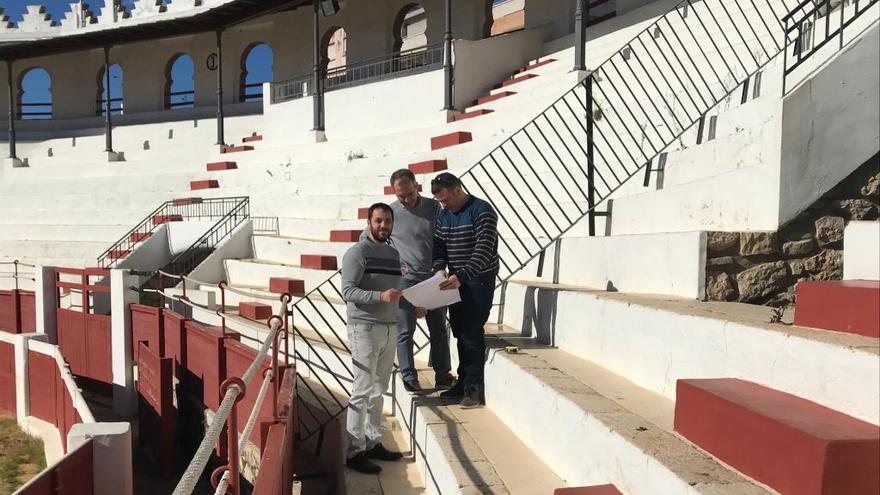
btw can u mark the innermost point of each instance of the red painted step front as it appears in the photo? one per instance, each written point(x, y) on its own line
point(220, 166)
point(318, 262)
point(252, 139)
point(491, 98)
point(363, 213)
point(345, 235)
point(537, 64)
point(255, 310)
point(518, 79)
point(588, 490)
point(187, 201)
point(198, 185)
point(472, 114)
point(451, 139)
point(795, 446)
point(292, 286)
point(140, 236)
point(850, 306)
point(428, 167)
point(118, 254)
point(389, 191)
point(236, 149)
point(160, 219)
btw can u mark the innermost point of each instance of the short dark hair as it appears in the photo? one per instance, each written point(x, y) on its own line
point(444, 181)
point(403, 173)
point(379, 206)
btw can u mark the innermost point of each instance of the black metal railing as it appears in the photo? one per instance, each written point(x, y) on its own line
point(817, 24)
point(385, 67)
point(554, 172)
point(116, 106)
point(36, 110)
point(252, 92)
point(180, 99)
point(235, 215)
point(189, 209)
point(266, 225)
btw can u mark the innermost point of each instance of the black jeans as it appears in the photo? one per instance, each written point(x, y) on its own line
point(468, 319)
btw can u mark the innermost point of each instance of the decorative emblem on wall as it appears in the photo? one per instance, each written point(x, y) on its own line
point(212, 62)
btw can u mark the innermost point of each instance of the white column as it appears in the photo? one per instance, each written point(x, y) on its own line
point(46, 302)
point(121, 296)
point(20, 344)
point(111, 455)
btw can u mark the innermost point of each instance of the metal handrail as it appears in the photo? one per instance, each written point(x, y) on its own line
point(386, 66)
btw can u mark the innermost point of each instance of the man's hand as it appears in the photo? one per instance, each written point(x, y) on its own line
point(390, 296)
point(451, 283)
point(421, 312)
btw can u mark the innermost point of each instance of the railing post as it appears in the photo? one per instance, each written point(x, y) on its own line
point(11, 100)
point(222, 286)
point(108, 122)
point(448, 74)
point(221, 138)
point(580, 32)
point(317, 79)
point(591, 166)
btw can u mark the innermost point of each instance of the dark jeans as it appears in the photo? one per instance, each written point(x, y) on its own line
point(406, 329)
point(468, 319)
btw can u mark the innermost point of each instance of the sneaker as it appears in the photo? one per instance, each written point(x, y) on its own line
point(380, 453)
point(445, 383)
point(472, 398)
point(362, 464)
point(412, 386)
point(455, 393)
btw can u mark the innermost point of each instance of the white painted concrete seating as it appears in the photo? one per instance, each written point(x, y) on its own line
point(861, 243)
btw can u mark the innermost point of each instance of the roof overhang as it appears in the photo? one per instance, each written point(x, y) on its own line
point(145, 29)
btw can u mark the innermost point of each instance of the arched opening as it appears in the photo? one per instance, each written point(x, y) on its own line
point(256, 69)
point(116, 92)
point(179, 85)
point(410, 28)
point(336, 47)
point(35, 95)
point(504, 16)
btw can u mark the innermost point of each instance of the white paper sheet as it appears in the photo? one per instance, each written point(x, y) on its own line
point(428, 294)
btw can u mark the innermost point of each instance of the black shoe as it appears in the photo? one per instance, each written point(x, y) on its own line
point(362, 464)
point(473, 398)
point(380, 453)
point(412, 386)
point(445, 383)
point(455, 393)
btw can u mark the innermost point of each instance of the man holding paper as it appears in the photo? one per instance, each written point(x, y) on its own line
point(414, 220)
point(466, 251)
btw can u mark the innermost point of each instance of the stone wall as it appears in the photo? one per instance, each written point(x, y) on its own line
point(764, 267)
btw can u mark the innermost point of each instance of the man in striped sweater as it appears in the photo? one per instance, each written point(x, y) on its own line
point(466, 249)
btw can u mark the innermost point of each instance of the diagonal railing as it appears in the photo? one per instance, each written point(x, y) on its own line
point(189, 259)
point(182, 209)
point(553, 173)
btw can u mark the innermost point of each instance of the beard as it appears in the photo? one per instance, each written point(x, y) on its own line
point(380, 235)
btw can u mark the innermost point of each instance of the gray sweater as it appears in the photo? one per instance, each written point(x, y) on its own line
point(368, 269)
point(413, 237)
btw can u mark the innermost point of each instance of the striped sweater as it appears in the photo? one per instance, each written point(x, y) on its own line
point(466, 242)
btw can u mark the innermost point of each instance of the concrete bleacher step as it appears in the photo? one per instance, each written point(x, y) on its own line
point(673, 338)
point(252, 139)
point(517, 79)
point(849, 306)
point(428, 167)
point(589, 490)
point(536, 65)
point(793, 445)
point(220, 166)
point(198, 185)
point(288, 250)
point(236, 149)
point(257, 273)
point(467, 451)
point(472, 114)
point(603, 427)
point(493, 97)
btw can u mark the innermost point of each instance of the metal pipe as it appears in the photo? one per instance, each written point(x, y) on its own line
point(11, 100)
point(580, 34)
point(108, 122)
point(317, 77)
point(591, 166)
point(448, 74)
point(221, 139)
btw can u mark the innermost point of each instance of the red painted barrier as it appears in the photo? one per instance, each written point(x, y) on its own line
point(238, 358)
point(48, 397)
point(17, 313)
point(72, 475)
point(175, 338)
point(206, 362)
point(7, 377)
point(147, 325)
point(156, 413)
point(84, 337)
point(276, 465)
